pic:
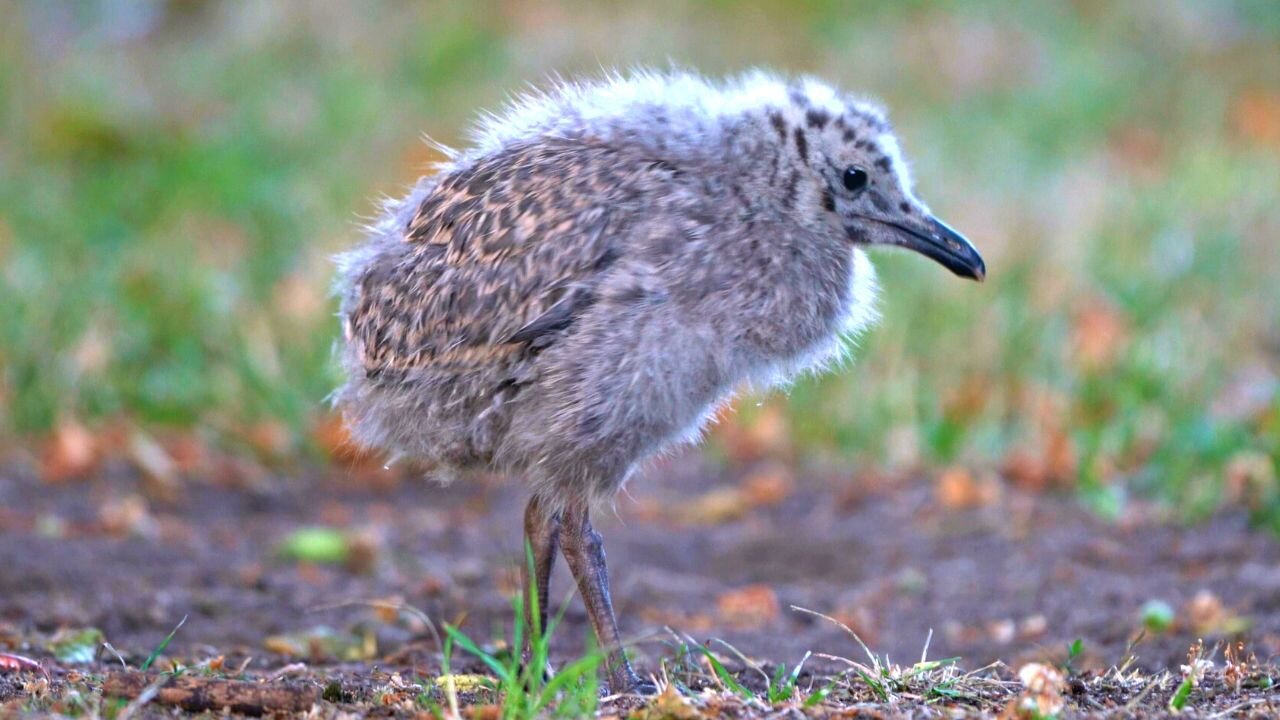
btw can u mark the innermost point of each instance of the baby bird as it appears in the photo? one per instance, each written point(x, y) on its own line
point(608, 262)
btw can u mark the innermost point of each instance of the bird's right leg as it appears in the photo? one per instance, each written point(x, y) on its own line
point(584, 551)
point(542, 536)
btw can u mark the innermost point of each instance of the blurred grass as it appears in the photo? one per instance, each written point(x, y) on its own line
point(174, 175)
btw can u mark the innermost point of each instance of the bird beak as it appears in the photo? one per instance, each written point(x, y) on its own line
point(937, 241)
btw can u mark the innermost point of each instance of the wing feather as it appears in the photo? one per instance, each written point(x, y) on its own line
point(498, 259)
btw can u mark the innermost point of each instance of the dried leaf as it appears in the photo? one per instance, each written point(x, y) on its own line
point(17, 663)
point(957, 488)
point(126, 516)
point(1099, 336)
point(1251, 480)
point(749, 607)
point(298, 299)
point(324, 643)
point(1257, 116)
point(748, 437)
point(271, 438)
point(159, 474)
point(768, 487)
point(1208, 616)
point(71, 452)
point(1043, 689)
point(717, 506)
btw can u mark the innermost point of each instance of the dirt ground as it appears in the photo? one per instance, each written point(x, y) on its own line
point(1008, 576)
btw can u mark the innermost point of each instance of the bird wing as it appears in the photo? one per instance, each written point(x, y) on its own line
point(498, 258)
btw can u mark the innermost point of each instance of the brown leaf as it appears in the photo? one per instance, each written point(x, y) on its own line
point(17, 663)
point(715, 507)
point(1140, 151)
point(957, 488)
point(71, 452)
point(749, 607)
point(1043, 691)
point(1099, 336)
point(858, 618)
point(746, 438)
point(1251, 480)
point(768, 487)
point(1049, 461)
point(1207, 616)
point(669, 705)
point(298, 299)
point(1256, 116)
point(126, 516)
point(967, 399)
point(189, 453)
point(271, 438)
point(160, 476)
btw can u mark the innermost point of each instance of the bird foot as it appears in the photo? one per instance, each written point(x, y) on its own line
point(629, 686)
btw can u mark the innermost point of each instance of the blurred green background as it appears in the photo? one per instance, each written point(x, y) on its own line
point(174, 176)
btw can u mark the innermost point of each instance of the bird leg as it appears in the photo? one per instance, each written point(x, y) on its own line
point(542, 538)
point(584, 550)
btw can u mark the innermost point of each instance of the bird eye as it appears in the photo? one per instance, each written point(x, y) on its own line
point(855, 178)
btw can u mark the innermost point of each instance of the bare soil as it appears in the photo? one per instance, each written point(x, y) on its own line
point(1015, 578)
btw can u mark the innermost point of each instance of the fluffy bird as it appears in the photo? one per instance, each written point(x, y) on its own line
point(600, 270)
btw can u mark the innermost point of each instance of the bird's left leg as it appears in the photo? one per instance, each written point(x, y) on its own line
point(542, 537)
point(584, 550)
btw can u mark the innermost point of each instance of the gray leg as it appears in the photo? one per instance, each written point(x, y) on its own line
point(542, 533)
point(584, 550)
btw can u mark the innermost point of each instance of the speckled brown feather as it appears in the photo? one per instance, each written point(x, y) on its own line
point(501, 254)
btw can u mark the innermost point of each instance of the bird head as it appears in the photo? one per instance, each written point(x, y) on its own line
point(863, 185)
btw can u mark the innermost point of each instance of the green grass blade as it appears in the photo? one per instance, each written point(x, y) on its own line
point(725, 676)
point(146, 664)
point(583, 668)
point(822, 693)
point(469, 645)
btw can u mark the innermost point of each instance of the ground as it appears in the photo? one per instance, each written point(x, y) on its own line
point(992, 574)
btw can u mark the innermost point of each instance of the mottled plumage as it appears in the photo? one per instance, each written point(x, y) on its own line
point(607, 264)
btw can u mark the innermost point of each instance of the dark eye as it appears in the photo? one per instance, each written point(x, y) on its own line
point(855, 178)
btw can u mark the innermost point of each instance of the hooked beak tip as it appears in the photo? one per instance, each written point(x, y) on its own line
point(952, 250)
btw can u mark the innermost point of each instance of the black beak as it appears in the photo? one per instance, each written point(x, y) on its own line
point(936, 240)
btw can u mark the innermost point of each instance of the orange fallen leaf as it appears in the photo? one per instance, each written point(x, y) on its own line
point(17, 663)
point(1256, 115)
point(270, 438)
point(1049, 462)
point(72, 451)
point(749, 607)
point(1140, 151)
point(189, 453)
point(748, 437)
point(715, 507)
point(126, 516)
point(298, 299)
point(858, 618)
point(769, 487)
point(1099, 335)
point(957, 488)
point(1207, 615)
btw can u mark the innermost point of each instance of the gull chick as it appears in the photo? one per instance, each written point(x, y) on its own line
point(583, 286)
